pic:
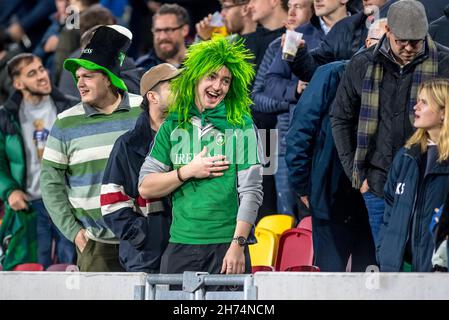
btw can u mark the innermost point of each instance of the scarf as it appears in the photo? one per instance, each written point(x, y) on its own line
point(369, 109)
point(216, 116)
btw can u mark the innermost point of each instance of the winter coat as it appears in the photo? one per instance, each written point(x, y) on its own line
point(439, 29)
point(394, 126)
point(18, 230)
point(410, 201)
point(143, 232)
point(313, 164)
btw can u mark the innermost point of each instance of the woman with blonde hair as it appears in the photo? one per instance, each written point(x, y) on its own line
point(417, 183)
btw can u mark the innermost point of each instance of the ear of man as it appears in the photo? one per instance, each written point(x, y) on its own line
point(153, 97)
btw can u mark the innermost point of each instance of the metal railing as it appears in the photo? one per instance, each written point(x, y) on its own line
point(199, 286)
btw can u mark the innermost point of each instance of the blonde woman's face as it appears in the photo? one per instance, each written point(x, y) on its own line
point(427, 115)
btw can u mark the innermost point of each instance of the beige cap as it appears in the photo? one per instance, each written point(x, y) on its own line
point(152, 77)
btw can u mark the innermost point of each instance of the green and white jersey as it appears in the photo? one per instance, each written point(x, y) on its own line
point(205, 211)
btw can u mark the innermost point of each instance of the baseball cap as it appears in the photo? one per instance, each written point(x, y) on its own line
point(157, 74)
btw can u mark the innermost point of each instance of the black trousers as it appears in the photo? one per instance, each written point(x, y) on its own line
point(335, 241)
point(178, 258)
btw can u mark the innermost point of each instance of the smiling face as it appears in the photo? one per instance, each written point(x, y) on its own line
point(428, 115)
point(212, 89)
point(93, 86)
point(33, 79)
point(168, 35)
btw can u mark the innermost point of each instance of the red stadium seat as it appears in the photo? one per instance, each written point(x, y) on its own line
point(295, 249)
point(306, 223)
point(255, 269)
point(63, 267)
point(28, 267)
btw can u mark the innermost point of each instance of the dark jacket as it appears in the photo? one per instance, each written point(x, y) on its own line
point(439, 29)
point(434, 8)
point(312, 160)
point(394, 126)
point(257, 42)
point(32, 15)
point(440, 228)
point(148, 61)
point(18, 226)
point(345, 38)
point(281, 83)
point(129, 73)
point(265, 104)
point(12, 159)
point(410, 201)
point(142, 238)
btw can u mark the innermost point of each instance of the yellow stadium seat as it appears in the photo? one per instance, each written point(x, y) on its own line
point(263, 253)
point(277, 223)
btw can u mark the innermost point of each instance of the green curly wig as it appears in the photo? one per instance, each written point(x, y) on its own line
point(206, 57)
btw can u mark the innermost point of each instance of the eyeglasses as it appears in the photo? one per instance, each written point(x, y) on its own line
point(412, 43)
point(229, 6)
point(168, 31)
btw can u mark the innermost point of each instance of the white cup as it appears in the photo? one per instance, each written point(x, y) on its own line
point(291, 45)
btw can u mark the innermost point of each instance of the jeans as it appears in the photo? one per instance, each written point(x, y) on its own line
point(376, 208)
point(286, 199)
point(46, 232)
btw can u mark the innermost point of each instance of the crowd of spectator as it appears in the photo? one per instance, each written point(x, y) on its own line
point(360, 116)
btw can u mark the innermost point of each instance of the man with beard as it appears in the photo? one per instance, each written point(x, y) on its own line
point(24, 119)
point(236, 18)
point(170, 29)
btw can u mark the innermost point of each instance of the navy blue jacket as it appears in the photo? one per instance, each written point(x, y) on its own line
point(345, 38)
point(312, 160)
point(264, 103)
point(439, 29)
point(32, 15)
point(141, 225)
point(280, 82)
point(409, 205)
point(274, 89)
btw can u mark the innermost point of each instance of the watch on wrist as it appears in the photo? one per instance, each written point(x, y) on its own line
point(241, 241)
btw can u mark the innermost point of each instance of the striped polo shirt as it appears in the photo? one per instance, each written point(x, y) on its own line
point(80, 143)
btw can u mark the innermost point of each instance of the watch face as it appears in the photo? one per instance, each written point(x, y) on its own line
point(241, 241)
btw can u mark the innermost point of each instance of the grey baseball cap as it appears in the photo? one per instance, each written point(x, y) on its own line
point(407, 20)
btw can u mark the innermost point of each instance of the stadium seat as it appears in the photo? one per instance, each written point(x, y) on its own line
point(62, 267)
point(277, 223)
point(263, 253)
point(28, 267)
point(255, 269)
point(303, 269)
point(295, 249)
point(306, 223)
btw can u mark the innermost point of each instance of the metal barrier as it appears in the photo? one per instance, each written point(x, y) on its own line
point(194, 286)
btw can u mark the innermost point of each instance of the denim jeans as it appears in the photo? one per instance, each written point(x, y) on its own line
point(46, 232)
point(286, 199)
point(376, 208)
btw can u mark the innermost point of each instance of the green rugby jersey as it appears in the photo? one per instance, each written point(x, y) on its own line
point(205, 211)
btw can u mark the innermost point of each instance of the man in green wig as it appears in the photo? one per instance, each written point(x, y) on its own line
point(206, 155)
